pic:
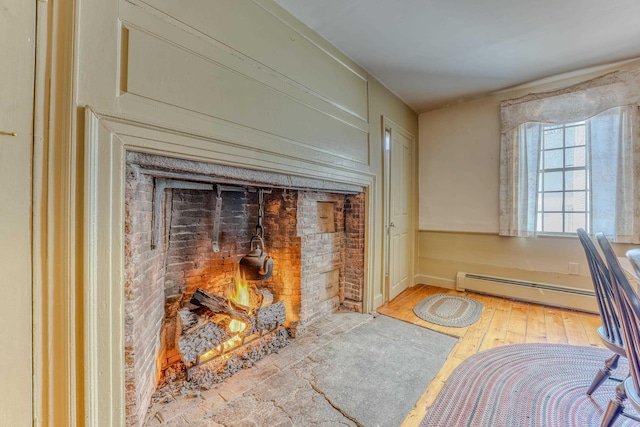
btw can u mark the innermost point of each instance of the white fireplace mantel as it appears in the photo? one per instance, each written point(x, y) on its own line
point(108, 139)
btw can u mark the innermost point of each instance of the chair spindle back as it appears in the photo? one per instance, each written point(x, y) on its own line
point(628, 305)
point(602, 286)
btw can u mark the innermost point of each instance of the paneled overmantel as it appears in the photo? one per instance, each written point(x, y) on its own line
point(108, 139)
point(210, 66)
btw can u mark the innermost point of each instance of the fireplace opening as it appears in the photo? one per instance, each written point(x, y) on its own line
point(191, 319)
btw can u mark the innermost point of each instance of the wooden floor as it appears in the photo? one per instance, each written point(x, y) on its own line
point(502, 322)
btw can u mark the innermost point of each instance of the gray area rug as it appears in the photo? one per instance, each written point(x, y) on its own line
point(449, 310)
point(376, 372)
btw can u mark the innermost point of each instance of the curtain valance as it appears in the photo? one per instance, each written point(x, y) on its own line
point(609, 106)
point(573, 103)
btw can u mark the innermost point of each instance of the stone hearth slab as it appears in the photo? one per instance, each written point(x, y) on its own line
point(377, 371)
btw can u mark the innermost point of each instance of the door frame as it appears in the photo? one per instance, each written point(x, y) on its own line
point(390, 125)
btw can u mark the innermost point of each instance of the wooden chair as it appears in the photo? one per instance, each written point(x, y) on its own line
point(628, 306)
point(609, 332)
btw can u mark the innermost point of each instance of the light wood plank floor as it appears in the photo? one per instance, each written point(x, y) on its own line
point(502, 322)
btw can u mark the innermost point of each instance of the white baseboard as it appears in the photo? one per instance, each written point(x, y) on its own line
point(541, 293)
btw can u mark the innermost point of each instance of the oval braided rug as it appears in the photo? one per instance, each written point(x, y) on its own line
point(527, 385)
point(449, 310)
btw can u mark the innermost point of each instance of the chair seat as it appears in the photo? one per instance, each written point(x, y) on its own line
point(632, 393)
point(609, 344)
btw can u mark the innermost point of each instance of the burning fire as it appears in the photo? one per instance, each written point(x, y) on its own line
point(239, 295)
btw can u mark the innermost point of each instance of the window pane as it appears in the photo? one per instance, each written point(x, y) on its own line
point(552, 138)
point(539, 206)
point(575, 157)
point(573, 221)
point(552, 181)
point(552, 159)
point(575, 201)
point(563, 195)
point(552, 222)
point(574, 136)
point(575, 180)
point(553, 202)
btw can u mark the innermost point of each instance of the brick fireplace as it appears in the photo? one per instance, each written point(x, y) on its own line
point(174, 212)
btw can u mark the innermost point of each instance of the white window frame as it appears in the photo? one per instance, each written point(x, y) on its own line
point(543, 170)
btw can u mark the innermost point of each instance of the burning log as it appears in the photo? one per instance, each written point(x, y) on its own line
point(218, 304)
point(257, 298)
point(219, 324)
point(267, 318)
point(239, 307)
point(267, 298)
point(188, 319)
point(201, 340)
point(271, 316)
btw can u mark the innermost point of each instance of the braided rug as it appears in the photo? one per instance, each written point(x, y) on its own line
point(532, 385)
point(449, 310)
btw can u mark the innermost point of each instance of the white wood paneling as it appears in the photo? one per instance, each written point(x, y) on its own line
point(253, 30)
point(165, 72)
point(194, 66)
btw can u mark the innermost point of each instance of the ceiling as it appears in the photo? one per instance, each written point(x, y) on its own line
point(432, 53)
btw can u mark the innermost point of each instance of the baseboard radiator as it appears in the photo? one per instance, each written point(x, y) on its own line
point(541, 293)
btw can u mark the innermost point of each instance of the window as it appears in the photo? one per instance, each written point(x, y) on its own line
point(570, 158)
point(564, 185)
point(558, 177)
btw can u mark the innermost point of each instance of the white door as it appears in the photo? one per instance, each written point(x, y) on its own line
point(17, 44)
point(399, 212)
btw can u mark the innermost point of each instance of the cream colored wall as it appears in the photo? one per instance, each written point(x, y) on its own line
point(459, 154)
point(543, 260)
point(234, 82)
point(17, 42)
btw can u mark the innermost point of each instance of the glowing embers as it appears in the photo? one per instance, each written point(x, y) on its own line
point(220, 324)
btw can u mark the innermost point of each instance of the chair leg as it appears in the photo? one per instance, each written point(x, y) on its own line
point(615, 408)
point(604, 373)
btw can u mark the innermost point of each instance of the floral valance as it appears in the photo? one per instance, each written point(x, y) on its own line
point(573, 103)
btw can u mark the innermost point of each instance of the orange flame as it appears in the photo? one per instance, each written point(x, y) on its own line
point(241, 292)
point(240, 295)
